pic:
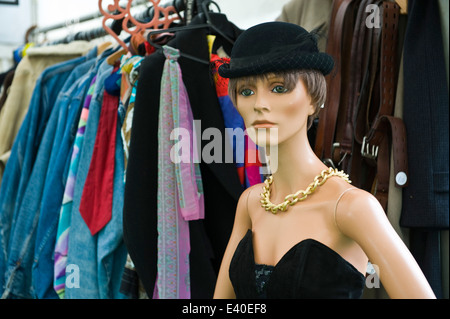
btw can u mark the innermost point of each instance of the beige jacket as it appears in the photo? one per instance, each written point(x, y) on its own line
point(310, 15)
point(27, 72)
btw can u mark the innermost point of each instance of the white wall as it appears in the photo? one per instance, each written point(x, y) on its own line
point(246, 13)
point(15, 20)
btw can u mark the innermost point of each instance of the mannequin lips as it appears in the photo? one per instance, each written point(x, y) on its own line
point(263, 124)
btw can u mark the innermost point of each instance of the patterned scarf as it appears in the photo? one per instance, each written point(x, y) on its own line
point(180, 192)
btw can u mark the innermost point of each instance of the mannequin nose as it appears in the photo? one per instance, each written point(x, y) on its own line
point(261, 104)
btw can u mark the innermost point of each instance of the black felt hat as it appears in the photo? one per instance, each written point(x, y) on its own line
point(274, 47)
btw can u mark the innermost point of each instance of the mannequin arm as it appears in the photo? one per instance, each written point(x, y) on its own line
point(360, 217)
point(242, 223)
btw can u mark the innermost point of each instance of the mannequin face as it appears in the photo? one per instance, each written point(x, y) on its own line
point(270, 105)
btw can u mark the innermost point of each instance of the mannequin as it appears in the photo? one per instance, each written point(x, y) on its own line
point(277, 81)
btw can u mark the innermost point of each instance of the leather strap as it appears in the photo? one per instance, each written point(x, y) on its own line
point(375, 145)
point(320, 131)
point(328, 117)
point(365, 97)
point(356, 126)
point(393, 129)
point(342, 148)
point(360, 172)
point(365, 54)
point(388, 67)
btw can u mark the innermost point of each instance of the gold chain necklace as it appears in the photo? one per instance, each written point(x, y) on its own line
point(301, 195)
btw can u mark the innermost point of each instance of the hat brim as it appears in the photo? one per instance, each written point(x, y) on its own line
point(311, 61)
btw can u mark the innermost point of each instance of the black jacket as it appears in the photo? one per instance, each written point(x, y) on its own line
point(222, 188)
point(426, 199)
point(425, 202)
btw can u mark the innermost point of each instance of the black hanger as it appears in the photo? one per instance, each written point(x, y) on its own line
point(208, 24)
point(205, 4)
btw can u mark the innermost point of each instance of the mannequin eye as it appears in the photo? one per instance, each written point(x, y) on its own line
point(279, 89)
point(247, 92)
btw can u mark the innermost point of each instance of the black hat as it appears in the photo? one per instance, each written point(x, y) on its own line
point(275, 47)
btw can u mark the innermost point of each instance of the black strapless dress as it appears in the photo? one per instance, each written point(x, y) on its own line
point(310, 269)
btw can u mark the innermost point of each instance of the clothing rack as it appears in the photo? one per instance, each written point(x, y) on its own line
point(123, 20)
point(83, 35)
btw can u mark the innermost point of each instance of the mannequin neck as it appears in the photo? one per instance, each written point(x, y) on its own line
point(296, 166)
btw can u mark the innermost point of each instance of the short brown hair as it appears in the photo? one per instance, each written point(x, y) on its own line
point(313, 80)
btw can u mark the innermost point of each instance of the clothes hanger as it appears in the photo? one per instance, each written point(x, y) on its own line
point(123, 14)
point(208, 24)
point(205, 10)
point(175, 29)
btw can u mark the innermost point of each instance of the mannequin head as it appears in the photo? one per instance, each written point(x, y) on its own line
point(290, 100)
point(312, 81)
point(277, 74)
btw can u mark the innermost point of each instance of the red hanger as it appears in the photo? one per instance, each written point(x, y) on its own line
point(162, 17)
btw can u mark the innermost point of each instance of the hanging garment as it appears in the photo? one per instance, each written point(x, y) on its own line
point(311, 15)
point(63, 231)
point(28, 75)
point(5, 83)
point(53, 190)
point(426, 198)
point(96, 202)
point(26, 171)
point(221, 185)
point(129, 67)
point(111, 249)
point(180, 194)
point(100, 257)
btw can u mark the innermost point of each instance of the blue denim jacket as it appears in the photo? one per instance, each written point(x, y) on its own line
point(98, 260)
point(71, 104)
point(20, 165)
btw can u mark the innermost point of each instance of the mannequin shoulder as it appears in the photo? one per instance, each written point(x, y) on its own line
point(357, 208)
point(251, 193)
point(354, 195)
point(248, 197)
